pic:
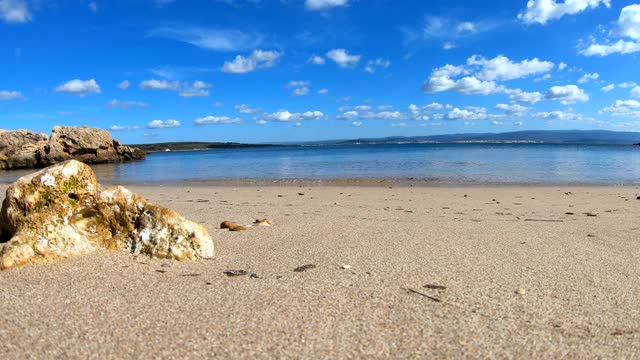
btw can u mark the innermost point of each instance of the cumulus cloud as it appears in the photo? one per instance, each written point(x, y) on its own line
point(287, 116)
point(608, 87)
point(542, 11)
point(558, 115)
point(163, 124)
point(373, 65)
point(123, 128)
point(300, 91)
point(210, 39)
point(126, 104)
point(363, 108)
point(216, 120)
point(562, 66)
point(124, 85)
point(9, 95)
point(628, 27)
point(626, 108)
point(524, 97)
point(483, 75)
point(79, 87)
point(382, 115)
point(316, 60)
point(14, 11)
point(321, 5)
point(343, 58)
point(513, 110)
point(323, 91)
point(195, 89)
point(154, 84)
point(349, 115)
point(298, 83)
point(502, 68)
point(257, 59)
point(245, 109)
point(588, 77)
point(356, 123)
point(635, 92)
point(568, 94)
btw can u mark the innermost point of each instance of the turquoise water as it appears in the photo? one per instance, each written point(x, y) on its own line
point(494, 163)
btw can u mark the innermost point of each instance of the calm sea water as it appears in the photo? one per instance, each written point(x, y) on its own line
point(520, 163)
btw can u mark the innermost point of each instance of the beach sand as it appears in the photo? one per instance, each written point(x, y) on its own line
point(516, 286)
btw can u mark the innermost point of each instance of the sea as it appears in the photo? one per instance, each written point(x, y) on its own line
point(469, 163)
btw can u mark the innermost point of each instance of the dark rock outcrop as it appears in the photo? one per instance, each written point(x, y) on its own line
point(26, 149)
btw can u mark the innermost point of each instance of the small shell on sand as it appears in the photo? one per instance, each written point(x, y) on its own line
point(521, 291)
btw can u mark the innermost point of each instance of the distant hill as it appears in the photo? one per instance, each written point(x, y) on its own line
point(531, 136)
point(181, 146)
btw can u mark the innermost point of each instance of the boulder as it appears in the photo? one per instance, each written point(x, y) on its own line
point(62, 211)
point(18, 148)
point(26, 149)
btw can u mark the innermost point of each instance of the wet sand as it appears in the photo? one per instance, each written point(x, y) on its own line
point(510, 272)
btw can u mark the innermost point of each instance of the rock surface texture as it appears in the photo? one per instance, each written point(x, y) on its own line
point(27, 149)
point(62, 211)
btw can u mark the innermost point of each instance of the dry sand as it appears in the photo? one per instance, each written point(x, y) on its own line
point(580, 276)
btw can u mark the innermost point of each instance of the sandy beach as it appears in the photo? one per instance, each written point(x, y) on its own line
point(433, 272)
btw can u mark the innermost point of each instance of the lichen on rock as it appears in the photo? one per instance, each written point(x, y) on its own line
point(62, 211)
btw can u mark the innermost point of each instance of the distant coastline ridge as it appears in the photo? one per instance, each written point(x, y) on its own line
point(564, 137)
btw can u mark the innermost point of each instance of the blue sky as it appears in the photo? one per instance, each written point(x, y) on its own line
point(295, 70)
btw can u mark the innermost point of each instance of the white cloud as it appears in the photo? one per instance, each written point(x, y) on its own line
point(448, 45)
point(163, 124)
point(558, 115)
point(542, 11)
point(300, 91)
point(298, 83)
point(513, 109)
point(356, 123)
point(154, 84)
point(382, 115)
point(466, 85)
point(211, 39)
point(562, 66)
point(257, 59)
point(635, 92)
point(316, 60)
point(568, 94)
point(544, 77)
point(93, 6)
point(608, 87)
point(627, 108)
point(320, 5)
point(195, 89)
point(79, 87)
point(216, 120)
point(373, 65)
point(343, 58)
point(14, 11)
point(520, 96)
point(518, 123)
point(9, 95)
point(622, 47)
point(466, 114)
point(125, 104)
point(628, 84)
point(629, 22)
point(123, 128)
point(245, 109)
point(501, 68)
point(629, 27)
point(349, 115)
point(323, 91)
point(124, 85)
point(286, 116)
point(497, 123)
point(587, 77)
point(362, 108)
point(438, 27)
point(261, 122)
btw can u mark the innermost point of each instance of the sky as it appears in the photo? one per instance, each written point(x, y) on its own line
point(260, 71)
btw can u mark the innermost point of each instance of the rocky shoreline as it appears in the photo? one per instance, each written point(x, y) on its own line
point(25, 149)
